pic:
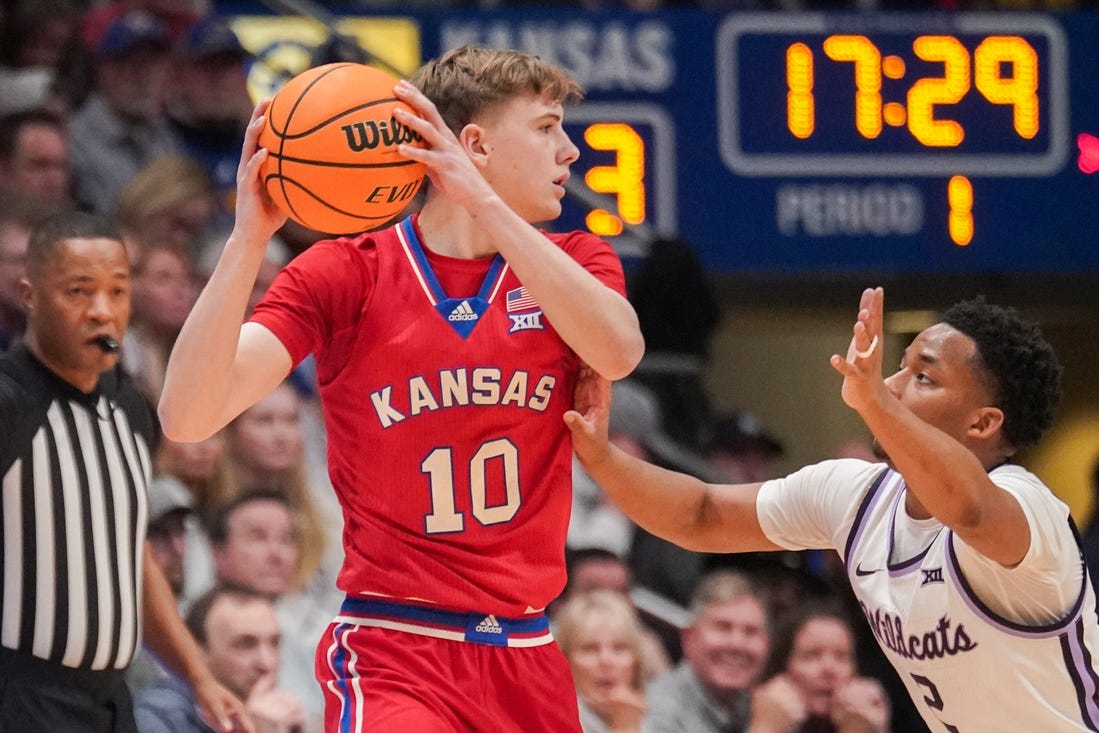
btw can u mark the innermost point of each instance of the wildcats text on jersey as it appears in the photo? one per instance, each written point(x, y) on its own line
point(942, 641)
point(482, 386)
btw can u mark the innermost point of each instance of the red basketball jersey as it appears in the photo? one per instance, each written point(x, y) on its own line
point(443, 387)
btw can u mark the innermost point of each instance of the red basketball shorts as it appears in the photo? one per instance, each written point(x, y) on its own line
point(393, 668)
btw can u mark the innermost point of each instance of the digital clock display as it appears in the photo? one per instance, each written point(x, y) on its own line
point(932, 95)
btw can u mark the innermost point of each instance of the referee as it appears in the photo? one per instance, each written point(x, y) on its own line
point(78, 588)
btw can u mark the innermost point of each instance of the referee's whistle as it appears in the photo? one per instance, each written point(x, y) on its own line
point(107, 344)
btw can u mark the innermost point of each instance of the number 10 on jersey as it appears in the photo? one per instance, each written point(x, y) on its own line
point(439, 468)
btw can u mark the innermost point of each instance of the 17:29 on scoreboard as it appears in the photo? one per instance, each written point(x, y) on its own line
point(895, 96)
point(975, 94)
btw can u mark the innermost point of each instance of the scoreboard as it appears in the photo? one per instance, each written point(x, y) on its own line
point(850, 143)
point(953, 143)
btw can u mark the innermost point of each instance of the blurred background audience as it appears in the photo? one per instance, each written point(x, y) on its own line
point(239, 632)
point(257, 544)
point(209, 107)
point(724, 648)
point(171, 202)
point(163, 292)
point(20, 213)
point(121, 126)
point(601, 636)
point(34, 156)
point(812, 683)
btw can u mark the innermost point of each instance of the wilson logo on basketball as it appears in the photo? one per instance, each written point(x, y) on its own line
point(370, 134)
point(333, 162)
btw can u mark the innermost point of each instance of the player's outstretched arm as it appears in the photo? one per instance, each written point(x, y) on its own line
point(675, 506)
point(217, 367)
point(945, 476)
point(597, 323)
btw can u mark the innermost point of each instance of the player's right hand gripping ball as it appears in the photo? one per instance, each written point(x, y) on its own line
point(333, 164)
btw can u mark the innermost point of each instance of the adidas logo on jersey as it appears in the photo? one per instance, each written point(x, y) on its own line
point(489, 625)
point(464, 312)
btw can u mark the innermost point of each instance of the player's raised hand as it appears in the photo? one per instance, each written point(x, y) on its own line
point(862, 368)
point(589, 418)
point(257, 216)
point(450, 166)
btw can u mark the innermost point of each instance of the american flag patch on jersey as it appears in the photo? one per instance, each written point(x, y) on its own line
point(520, 300)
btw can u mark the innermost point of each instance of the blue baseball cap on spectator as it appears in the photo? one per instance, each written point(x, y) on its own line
point(130, 31)
point(211, 36)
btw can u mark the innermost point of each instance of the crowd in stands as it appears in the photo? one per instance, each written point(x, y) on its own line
point(135, 109)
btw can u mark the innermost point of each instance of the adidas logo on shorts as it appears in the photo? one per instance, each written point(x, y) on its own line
point(489, 625)
point(462, 313)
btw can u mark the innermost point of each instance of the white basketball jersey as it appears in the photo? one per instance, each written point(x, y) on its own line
point(967, 669)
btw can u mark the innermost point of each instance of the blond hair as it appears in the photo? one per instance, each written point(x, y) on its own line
point(720, 586)
point(164, 185)
point(577, 612)
point(470, 80)
point(293, 483)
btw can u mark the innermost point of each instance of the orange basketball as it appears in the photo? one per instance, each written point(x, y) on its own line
point(333, 164)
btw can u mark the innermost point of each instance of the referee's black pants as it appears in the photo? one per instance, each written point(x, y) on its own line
point(37, 696)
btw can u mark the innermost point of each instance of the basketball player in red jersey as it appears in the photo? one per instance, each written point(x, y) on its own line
point(447, 349)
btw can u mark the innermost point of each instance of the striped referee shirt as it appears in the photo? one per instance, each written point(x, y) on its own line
point(74, 470)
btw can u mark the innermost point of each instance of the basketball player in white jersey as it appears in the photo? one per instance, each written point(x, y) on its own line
point(966, 566)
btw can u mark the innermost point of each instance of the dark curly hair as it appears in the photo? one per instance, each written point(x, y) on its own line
point(1021, 368)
